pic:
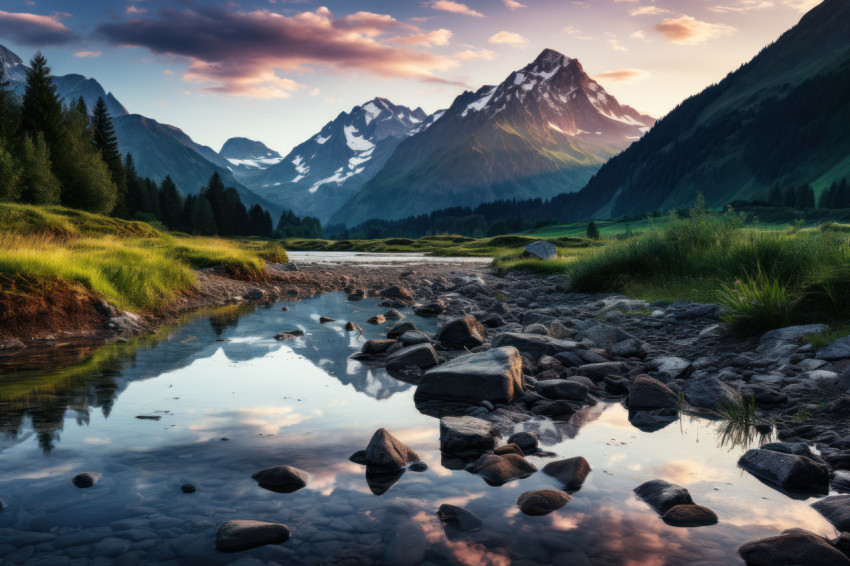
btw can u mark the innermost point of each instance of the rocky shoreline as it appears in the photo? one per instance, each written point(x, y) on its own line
point(513, 348)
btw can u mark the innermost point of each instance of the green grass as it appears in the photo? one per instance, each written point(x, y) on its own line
point(832, 333)
point(128, 263)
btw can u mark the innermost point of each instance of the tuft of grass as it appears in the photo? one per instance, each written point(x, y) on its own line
point(832, 333)
point(128, 263)
point(758, 303)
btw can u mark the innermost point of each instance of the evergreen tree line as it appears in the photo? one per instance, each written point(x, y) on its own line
point(55, 154)
point(291, 226)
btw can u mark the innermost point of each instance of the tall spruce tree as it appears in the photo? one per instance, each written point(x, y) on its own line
point(9, 111)
point(592, 230)
point(103, 136)
point(10, 174)
point(170, 203)
point(38, 184)
point(41, 110)
point(85, 178)
point(203, 219)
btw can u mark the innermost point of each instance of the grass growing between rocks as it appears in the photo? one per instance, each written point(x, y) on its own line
point(128, 263)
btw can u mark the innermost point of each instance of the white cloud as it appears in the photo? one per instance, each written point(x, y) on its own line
point(509, 38)
point(687, 30)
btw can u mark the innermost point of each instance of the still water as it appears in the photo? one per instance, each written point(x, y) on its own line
point(232, 401)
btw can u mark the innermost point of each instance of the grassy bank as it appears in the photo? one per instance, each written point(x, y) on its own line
point(767, 278)
point(128, 263)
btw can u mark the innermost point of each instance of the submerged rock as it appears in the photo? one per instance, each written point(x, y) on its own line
point(570, 472)
point(494, 375)
point(788, 471)
point(458, 517)
point(689, 516)
point(236, 536)
point(793, 547)
point(663, 496)
point(542, 501)
point(497, 470)
point(282, 479)
point(86, 479)
point(387, 453)
point(466, 436)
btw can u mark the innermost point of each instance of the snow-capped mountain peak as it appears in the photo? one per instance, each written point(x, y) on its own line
point(13, 66)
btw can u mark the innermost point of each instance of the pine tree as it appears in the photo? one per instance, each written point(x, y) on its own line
point(203, 219)
point(592, 230)
point(42, 110)
point(10, 174)
point(103, 136)
point(170, 203)
point(9, 111)
point(38, 184)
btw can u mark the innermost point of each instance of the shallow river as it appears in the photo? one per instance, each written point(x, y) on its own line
point(232, 401)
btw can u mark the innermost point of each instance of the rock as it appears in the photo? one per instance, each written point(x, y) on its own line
point(387, 453)
point(562, 389)
point(188, 488)
point(358, 457)
point(497, 470)
point(508, 449)
point(407, 547)
point(494, 375)
point(464, 332)
point(458, 517)
point(651, 421)
point(663, 496)
point(570, 472)
point(536, 328)
point(631, 348)
point(793, 547)
point(422, 356)
point(430, 309)
point(792, 333)
point(541, 250)
point(393, 314)
point(542, 501)
point(836, 509)
point(466, 436)
point(569, 359)
point(377, 346)
point(604, 335)
point(711, 393)
point(786, 470)
point(377, 319)
point(764, 395)
point(354, 297)
point(396, 330)
point(381, 481)
point(351, 327)
point(838, 350)
point(326, 319)
point(235, 536)
point(649, 393)
point(669, 367)
point(533, 345)
point(86, 479)
point(796, 448)
point(288, 335)
point(527, 441)
point(284, 309)
point(12, 344)
point(601, 370)
point(396, 292)
point(417, 467)
point(689, 516)
point(281, 479)
point(414, 337)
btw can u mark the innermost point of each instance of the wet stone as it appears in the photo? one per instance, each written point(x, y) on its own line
point(793, 547)
point(836, 509)
point(458, 517)
point(422, 356)
point(239, 535)
point(281, 479)
point(542, 501)
point(689, 516)
point(188, 488)
point(387, 453)
point(527, 441)
point(648, 393)
point(86, 479)
point(461, 436)
point(570, 472)
point(788, 471)
point(497, 470)
point(662, 495)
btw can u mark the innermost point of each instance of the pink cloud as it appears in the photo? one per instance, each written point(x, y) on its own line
point(687, 30)
point(622, 76)
point(87, 54)
point(33, 29)
point(513, 4)
point(455, 8)
point(242, 53)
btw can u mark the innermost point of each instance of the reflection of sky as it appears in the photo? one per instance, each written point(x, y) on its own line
point(282, 405)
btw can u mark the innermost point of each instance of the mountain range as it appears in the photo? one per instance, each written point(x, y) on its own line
point(779, 120)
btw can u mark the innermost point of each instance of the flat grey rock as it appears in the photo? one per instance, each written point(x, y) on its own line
point(494, 376)
point(838, 350)
point(463, 436)
point(239, 535)
point(541, 250)
point(788, 471)
point(662, 495)
point(283, 479)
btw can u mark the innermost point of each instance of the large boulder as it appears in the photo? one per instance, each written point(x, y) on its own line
point(534, 345)
point(600, 370)
point(542, 501)
point(422, 356)
point(387, 453)
point(463, 332)
point(792, 333)
point(396, 330)
point(570, 472)
point(466, 436)
point(541, 250)
point(711, 393)
point(689, 516)
point(495, 376)
point(836, 509)
point(788, 471)
point(398, 293)
point(648, 393)
point(282, 479)
point(794, 547)
point(669, 367)
point(496, 469)
point(663, 496)
point(376, 347)
point(838, 350)
point(562, 389)
point(236, 536)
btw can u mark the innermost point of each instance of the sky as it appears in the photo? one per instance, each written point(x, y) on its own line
point(278, 70)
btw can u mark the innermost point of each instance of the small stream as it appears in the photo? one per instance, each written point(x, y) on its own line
point(231, 400)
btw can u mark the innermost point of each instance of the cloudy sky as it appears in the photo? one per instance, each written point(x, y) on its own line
point(277, 70)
